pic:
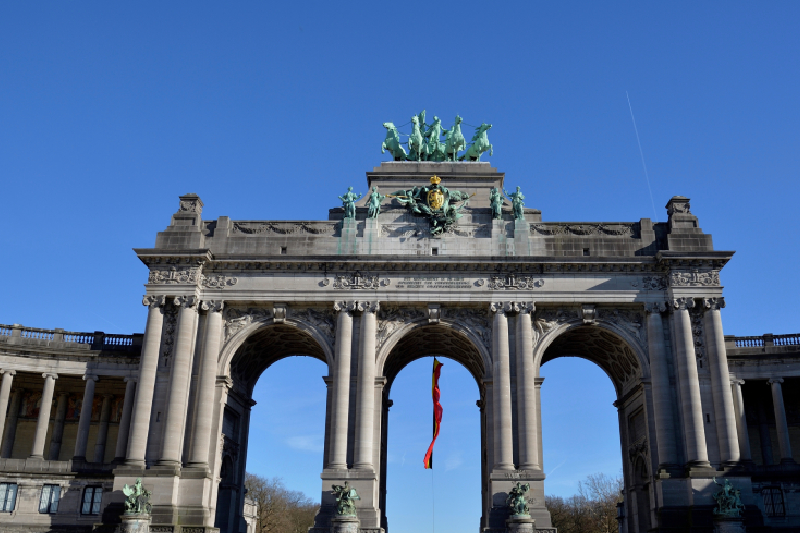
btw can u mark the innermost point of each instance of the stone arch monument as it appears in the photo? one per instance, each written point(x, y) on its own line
point(432, 262)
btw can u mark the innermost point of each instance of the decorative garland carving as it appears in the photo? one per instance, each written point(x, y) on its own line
point(512, 281)
point(696, 317)
point(168, 333)
point(356, 281)
point(217, 281)
point(694, 279)
point(323, 320)
point(629, 320)
point(654, 283)
point(174, 275)
point(475, 321)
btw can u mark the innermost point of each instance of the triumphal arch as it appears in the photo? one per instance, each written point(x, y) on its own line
point(438, 258)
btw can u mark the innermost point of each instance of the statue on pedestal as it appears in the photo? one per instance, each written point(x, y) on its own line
point(517, 203)
point(374, 203)
point(137, 499)
point(516, 500)
point(345, 499)
point(729, 502)
point(349, 203)
point(496, 202)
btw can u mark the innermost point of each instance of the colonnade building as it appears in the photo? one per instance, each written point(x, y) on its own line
point(87, 413)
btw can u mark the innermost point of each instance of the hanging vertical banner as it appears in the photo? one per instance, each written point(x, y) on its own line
point(437, 411)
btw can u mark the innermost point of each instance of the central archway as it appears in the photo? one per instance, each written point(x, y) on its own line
point(448, 339)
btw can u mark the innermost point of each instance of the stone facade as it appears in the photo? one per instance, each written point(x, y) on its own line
point(226, 299)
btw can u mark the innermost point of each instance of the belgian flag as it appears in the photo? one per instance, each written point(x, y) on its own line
point(437, 411)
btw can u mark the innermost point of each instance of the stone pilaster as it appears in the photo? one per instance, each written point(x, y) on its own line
point(501, 380)
point(85, 419)
point(179, 377)
point(10, 433)
point(37, 451)
point(725, 415)
point(5, 392)
point(689, 382)
point(125, 420)
point(741, 421)
point(102, 431)
point(207, 381)
point(659, 377)
point(781, 426)
point(148, 365)
point(58, 426)
point(365, 399)
point(528, 421)
point(341, 385)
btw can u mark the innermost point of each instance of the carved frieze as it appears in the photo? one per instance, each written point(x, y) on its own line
point(403, 230)
point(175, 275)
point(654, 283)
point(280, 228)
point(513, 281)
point(630, 320)
point(610, 230)
point(357, 281)
point(694, 279)
point(217, 281)
point(168, 333)
point(323, 320)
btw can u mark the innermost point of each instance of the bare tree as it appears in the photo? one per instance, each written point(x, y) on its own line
point(279, 510)
point(592, 510)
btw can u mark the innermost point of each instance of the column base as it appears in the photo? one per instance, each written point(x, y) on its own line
point(521, 524)
point(135, 523)
point(344, 524)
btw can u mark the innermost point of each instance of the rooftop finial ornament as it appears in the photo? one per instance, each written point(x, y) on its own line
point(425, 142)
point(435, 180)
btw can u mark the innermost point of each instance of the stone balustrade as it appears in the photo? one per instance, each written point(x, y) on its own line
point(762, 341)
point(59, 338)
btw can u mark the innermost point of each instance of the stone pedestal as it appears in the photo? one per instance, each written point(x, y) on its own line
point(135, 523)
point(347, 242)
point(521, 524)
point(344, 524)
point(522, 238)
point(370, 243)
point(729, 525)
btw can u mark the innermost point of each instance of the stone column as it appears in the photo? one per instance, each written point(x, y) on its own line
point(341, 385)
point(365, 399)
point(741, 419)
point(125, 421)
point(691, 406)
point(781, 426)
point(37, 451)
point(207, 381)
point(148, 364)
point(179, 377)
point(85, 419)
point(501, 378)
point(11, 428)
point(58, 426)
point(528, 422)
point(538, 384)
point(720, 382)
point(102, 431)
point(5, 390)
point(659, 378)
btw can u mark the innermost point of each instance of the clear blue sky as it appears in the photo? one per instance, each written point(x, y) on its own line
point(108, 112)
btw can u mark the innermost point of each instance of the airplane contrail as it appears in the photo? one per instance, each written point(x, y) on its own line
point(641, 154)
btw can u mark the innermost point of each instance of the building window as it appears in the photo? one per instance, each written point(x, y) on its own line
point(48, 503)
point(8, 497)
point(91, 500)
point(773, 501)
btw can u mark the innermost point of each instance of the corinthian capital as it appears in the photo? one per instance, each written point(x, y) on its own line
point(682, 303)
point(369, 307)
point(344, 305)
point(154, 301)
point(499, 307)
point(212, 305)
point(522, 307)
point(714, 303)
point(185, 301)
